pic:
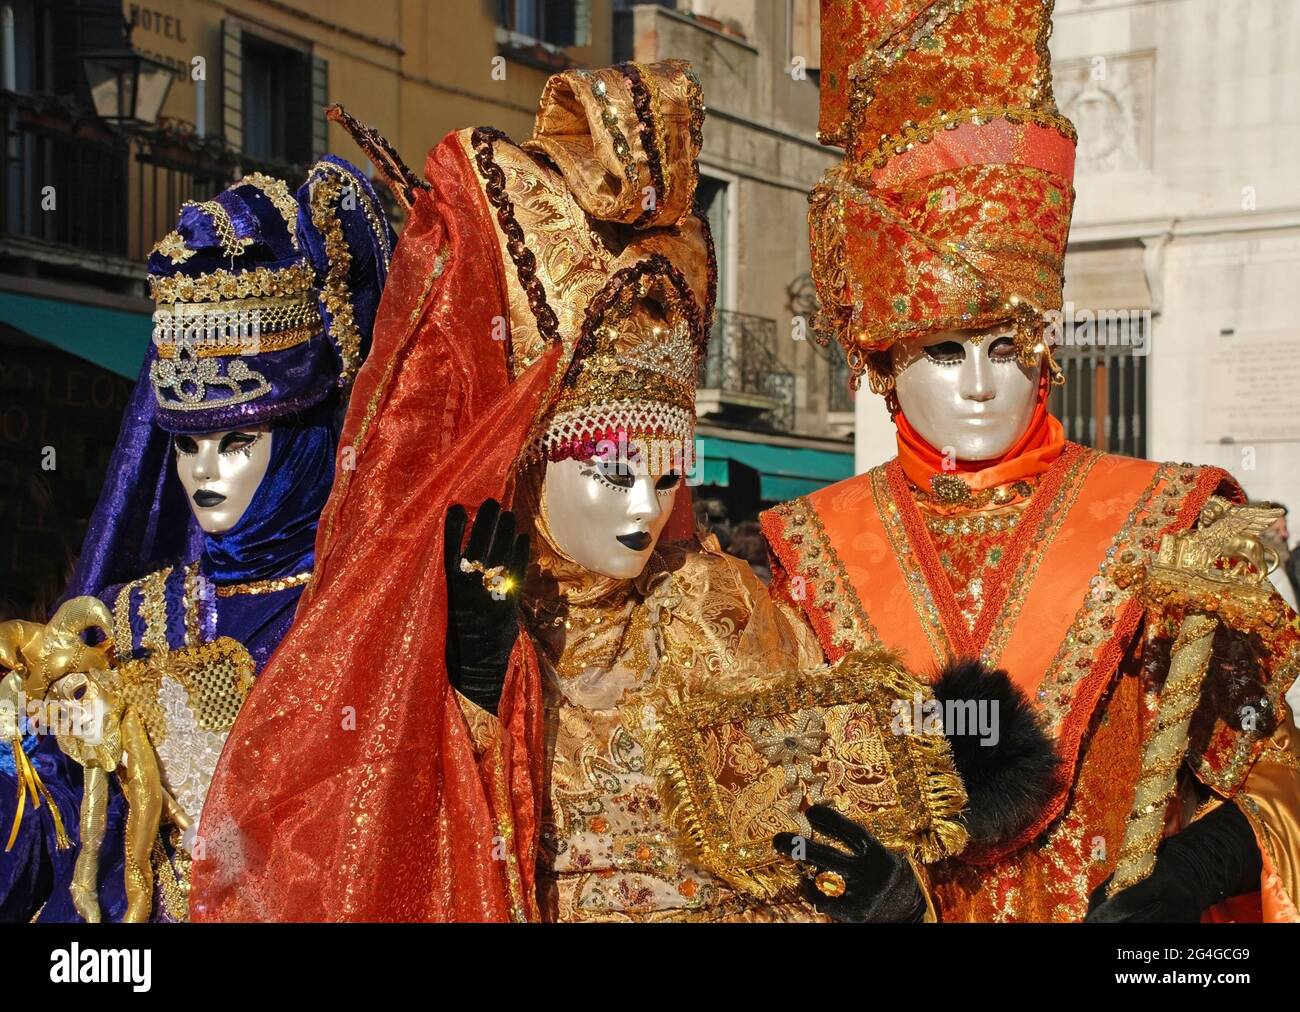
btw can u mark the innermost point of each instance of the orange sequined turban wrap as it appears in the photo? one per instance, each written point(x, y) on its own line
point(952, 206)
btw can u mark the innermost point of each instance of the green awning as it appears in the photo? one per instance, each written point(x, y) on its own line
point(111, 338)
point(785, 472)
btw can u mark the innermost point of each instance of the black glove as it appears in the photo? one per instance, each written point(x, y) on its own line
point(481, 630)
point(879, 884)
point(1212, 859)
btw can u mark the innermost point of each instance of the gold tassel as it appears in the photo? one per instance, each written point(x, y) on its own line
point(29, 781)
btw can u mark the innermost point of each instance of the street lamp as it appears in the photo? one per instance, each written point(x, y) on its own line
point(128, 89)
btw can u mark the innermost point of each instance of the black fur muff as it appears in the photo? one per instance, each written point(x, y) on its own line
point(1008, 781)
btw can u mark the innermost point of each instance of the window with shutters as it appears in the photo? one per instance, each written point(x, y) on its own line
point(712, 197)
point(1103, 403)
point(805, 37)
point(559, 23)
point(274, 100)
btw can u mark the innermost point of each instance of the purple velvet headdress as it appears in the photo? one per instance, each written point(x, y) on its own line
point(265, 302)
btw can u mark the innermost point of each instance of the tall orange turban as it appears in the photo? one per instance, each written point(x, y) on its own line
point(952, 206)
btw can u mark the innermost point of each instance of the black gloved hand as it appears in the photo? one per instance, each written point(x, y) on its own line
point(481, 628)
point(1212, 859)
point(879, 884)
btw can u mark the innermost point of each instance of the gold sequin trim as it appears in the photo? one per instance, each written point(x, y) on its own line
point(153, 609)
point(659, 125)
point(278, 193)
point(336, 293)
point(600, 91)
point(927, 609)
point(122, 638)
point(264, 586)
point(968, 526)
point(832, 593)
point(221, 285)
point(193, 628)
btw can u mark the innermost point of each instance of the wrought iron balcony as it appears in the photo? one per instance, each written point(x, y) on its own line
point(839, 398)
point(77, 191)
point(741, 378)
point(65, 175)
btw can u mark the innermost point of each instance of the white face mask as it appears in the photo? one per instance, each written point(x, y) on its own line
point(970, 400)
point(607, 517)
point(221, 472)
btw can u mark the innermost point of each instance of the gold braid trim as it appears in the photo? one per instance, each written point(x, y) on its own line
point(220, 285)
point(278, 194)
point(231, 245)
point(336, 293)
point(1164, 752)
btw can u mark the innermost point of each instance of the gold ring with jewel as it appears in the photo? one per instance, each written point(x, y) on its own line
point(493, 576)
point(831, 883)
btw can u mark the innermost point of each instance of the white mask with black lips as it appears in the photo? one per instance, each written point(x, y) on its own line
point(221, 472)
point(607, 515)
point(965, 392)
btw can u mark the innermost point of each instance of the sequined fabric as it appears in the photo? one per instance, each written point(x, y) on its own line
point(952, 207)
point(971, 547)
point(611, 657)
point(1052, 598)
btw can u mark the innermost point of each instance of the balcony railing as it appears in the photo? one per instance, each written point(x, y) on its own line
point(839, 398)
point(171, 166)
point(65, 175)
point(742, 369)
point(70, 181)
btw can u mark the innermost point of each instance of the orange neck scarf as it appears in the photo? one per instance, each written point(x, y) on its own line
point(1032, 454)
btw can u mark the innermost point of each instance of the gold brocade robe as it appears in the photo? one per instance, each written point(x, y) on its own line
point(611, 653)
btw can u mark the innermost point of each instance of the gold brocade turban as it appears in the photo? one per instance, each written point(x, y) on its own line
point(952, 206)
point(632, 286)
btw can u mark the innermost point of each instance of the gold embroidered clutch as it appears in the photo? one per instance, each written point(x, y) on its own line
point(738, 769)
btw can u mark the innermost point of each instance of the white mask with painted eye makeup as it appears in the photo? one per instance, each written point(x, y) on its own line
point(972, 400)
point(607, 517)
point(221, 472)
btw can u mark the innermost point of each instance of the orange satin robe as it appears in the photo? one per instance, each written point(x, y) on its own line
point(1045, 582)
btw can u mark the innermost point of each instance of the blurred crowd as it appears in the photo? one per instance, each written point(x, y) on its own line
point(743, 539)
